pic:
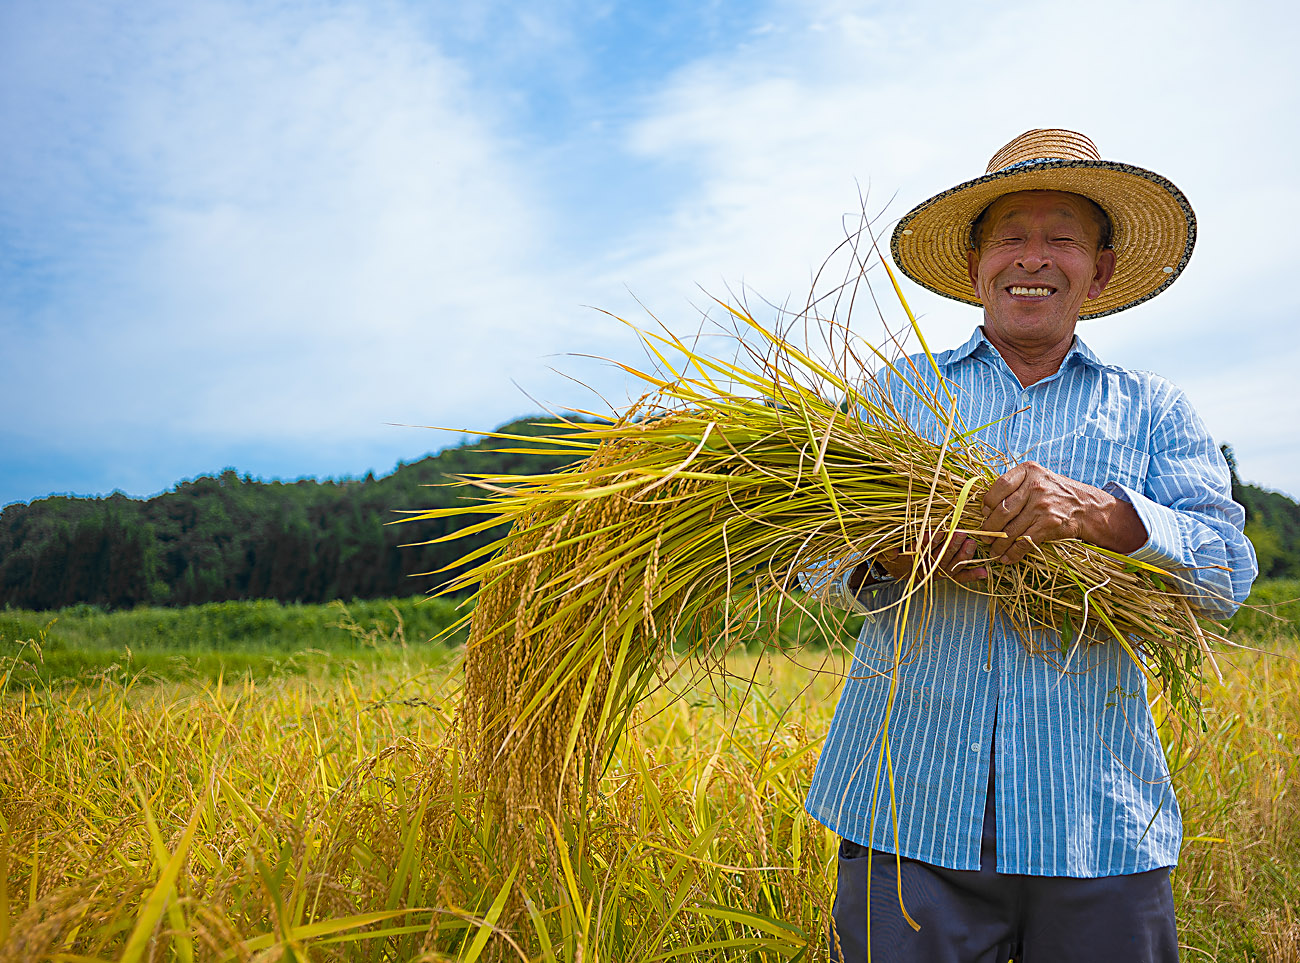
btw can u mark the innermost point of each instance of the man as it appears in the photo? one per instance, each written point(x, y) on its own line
point(1032, 812)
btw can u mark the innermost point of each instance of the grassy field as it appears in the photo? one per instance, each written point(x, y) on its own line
point(319, 816)
point(203, 643)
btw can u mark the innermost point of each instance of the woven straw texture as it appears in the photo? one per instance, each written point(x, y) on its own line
point(1154, 226)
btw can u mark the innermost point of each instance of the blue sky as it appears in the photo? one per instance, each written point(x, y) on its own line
point(264, 235)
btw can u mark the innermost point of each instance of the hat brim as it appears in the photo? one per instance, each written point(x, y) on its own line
point(1154, 228)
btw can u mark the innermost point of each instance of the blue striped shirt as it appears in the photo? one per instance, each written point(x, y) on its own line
point(1082, 786)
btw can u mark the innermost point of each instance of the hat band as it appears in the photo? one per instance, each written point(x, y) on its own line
point(1032, 160)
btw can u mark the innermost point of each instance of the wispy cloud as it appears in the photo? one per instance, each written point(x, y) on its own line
point(312, 225)
point(254, 234)
point(911, 101)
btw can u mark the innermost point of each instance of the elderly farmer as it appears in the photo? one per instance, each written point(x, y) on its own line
point(1032, 807)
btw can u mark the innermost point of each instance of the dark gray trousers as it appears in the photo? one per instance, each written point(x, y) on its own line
point(982, 916)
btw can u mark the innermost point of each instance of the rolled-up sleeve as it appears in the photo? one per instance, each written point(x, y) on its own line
point(1194, 528)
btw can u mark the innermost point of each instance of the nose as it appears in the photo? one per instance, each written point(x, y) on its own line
point(1034, 255)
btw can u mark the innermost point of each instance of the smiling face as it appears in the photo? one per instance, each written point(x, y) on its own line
point(1038, 260)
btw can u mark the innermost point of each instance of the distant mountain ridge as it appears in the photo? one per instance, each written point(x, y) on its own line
point(225, 537)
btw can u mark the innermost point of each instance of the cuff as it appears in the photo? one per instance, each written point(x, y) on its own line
point(1164, 544)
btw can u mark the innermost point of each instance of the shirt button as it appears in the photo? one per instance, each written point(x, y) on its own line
point(974, 747)
point(987, 666)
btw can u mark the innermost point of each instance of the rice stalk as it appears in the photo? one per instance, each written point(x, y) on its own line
point(710, 492)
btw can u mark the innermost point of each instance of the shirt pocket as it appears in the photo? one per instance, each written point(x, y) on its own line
point(1090, 456)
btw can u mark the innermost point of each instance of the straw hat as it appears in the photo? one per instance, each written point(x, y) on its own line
point(1154, 227)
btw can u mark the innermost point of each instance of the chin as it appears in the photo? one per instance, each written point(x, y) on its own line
point(1022, 325)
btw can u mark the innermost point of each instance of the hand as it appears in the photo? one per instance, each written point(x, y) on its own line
point(1033, 505)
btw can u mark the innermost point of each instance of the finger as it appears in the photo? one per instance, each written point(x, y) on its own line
point(996, 521)
point(928, 547)
point(1006, 483)
point(1013, 509)
point(967, 575)
point(1006, 509)
point(961, 547)
point(942, 549)
point(1037, 533)
point(1025, 544)
point(1014, 528)
point(962, 552)
point(965, 569)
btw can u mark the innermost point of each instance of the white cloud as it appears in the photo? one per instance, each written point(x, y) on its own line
point(326, 231)
point(915, 99)
point(260, 226)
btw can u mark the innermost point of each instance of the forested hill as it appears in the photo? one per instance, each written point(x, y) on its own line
point(1272, 524)
point(230, 537)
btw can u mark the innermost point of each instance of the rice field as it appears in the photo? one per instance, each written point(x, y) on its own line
point(323, 817)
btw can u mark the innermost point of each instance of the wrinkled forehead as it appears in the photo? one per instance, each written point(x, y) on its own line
point(1054, 203)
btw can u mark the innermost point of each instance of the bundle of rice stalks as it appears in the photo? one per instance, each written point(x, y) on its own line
point(706, 497)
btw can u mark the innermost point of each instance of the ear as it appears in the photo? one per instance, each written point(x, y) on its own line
point(1105, 270)
point(973, 269)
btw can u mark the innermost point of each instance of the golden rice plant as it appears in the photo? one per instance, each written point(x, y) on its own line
point(323, 817)
point(706, 496)
point(338, 829)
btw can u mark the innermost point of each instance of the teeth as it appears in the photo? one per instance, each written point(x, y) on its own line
point(1031, 292)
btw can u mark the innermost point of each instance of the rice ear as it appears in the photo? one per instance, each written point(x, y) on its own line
point(726, 480)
